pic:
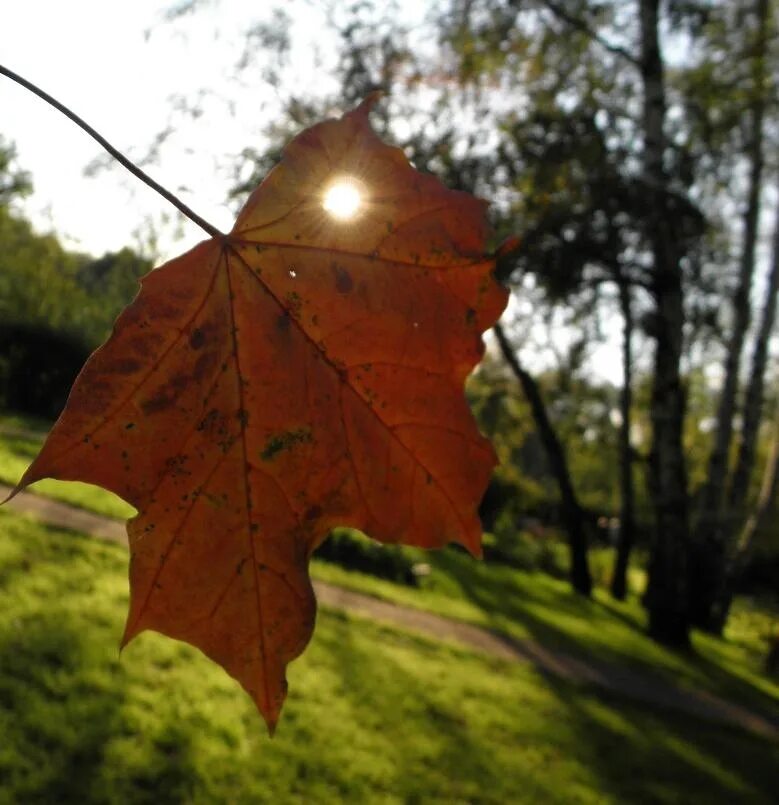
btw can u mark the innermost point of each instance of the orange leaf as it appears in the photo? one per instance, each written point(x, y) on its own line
point(302, 372)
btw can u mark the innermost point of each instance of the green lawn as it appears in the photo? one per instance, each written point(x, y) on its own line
point(16, 454)
point(518, 604)
point(374, 715)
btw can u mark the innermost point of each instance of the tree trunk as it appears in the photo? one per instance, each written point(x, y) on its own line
point(627, 500)
point(713, 531)
point(743, 550)
point(572, 514)
point(753, 400)
point(666, 597)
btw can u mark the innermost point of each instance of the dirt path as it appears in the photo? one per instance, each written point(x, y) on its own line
point(622, 681)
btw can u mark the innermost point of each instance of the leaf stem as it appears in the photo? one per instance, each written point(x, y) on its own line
point(115, 153)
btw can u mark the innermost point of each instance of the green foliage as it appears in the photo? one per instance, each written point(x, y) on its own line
point(522, 488)
point(44, 285)
point(37, 278)
point(48, 292)
point(14, 182)
point(55, 307)
point(109, 284)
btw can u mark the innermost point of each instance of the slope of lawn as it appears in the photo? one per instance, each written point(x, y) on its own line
point(374, 715)
point(516, 603)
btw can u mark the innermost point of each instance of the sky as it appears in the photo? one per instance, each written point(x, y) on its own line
point(120, 66)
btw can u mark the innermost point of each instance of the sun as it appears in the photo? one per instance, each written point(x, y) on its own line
point(342, 199)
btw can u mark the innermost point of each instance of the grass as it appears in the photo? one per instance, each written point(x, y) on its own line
point(518, 604)
point(526, 605)
point(16, 454)
point(374, 715)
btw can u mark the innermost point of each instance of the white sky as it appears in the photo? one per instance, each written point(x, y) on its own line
point(117, 65)
point(99, 58)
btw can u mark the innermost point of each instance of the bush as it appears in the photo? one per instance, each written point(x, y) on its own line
point(527, 551)
point(37, 368)
point(354, 551)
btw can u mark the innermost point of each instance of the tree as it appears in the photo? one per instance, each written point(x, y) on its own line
point(572, 514)
point(666, 597)
point(753, 399)
point(666, 228)
point(714, 527)
point(612, 166)
point(627, 518)
point(738, 548)
point(14, 182)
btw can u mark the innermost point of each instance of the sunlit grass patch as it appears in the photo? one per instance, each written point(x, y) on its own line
point(374, 714)
point(17, 453)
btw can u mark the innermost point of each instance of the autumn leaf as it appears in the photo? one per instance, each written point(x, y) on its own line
point(304, 371)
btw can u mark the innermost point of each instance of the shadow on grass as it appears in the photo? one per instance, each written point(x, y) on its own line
point(621, 752)
point(643, 757)
point(62, 700)
point(540, 611)
point(441, 748)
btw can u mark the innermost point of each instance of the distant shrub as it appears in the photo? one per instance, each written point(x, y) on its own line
point(525, 550)
point(37, 368)
point(553, 558)
point(520, 552)
point(354, 551)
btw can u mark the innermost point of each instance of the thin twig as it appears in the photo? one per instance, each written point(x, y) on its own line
point(116, 154)
point(582, 25)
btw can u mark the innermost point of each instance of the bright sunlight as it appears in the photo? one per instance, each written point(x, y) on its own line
point(342, 199)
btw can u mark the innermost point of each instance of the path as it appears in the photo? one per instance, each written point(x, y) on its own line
point(621, 681)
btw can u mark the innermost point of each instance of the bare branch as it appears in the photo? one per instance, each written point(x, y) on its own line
point(579, 24)
point(114, 152)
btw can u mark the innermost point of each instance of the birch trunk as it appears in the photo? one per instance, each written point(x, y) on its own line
point(714, 526)
point(627, 498)
point(746, 540)
point(753, 399)
point(666, 597)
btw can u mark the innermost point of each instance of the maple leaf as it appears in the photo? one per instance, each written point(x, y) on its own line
point(304, 371)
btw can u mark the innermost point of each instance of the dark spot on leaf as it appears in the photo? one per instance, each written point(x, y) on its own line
point(343, 280)
point(284, 441)
point(126, 366)
point(156, 404)
point(313, 512)
point(294, 303)
point(203, 366)
point(209, 421)
point(197, 338)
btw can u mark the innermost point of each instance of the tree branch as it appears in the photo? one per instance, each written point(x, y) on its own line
point(115, 153)
point(578, 24)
